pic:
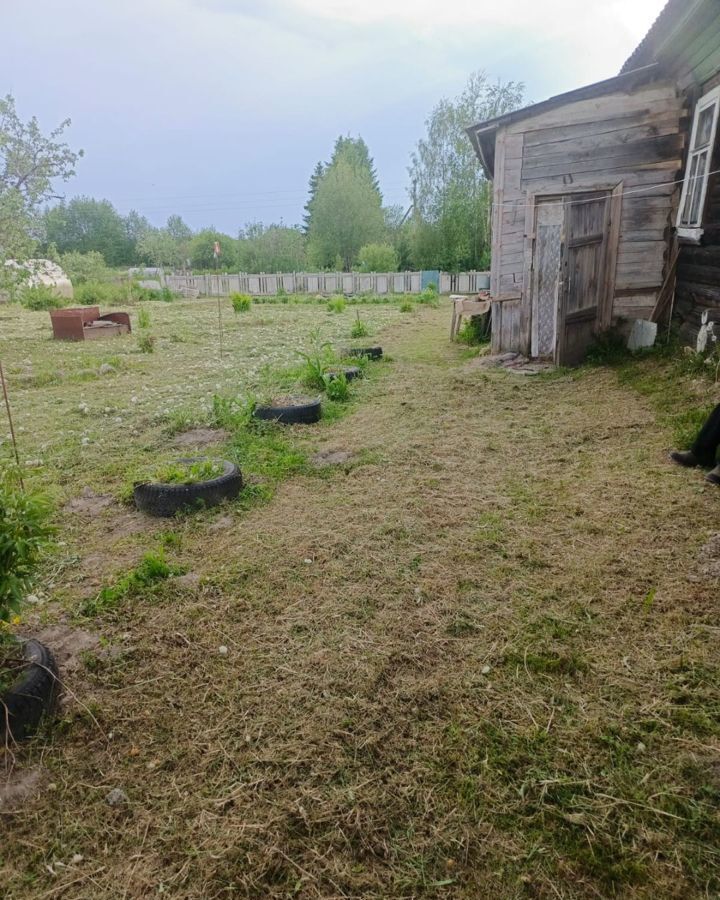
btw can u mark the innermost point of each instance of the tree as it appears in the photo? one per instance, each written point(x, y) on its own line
point(85, 224)
point(275, 248)
point(201, 246)
point(451, 225)
point(317, 174)
point(357, 153)
point(29, 165)
point(378, 258)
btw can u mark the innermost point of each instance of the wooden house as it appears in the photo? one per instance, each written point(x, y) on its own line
point(606, 199)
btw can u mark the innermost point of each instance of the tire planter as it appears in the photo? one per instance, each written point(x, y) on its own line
point(301, 413)
point(32, 696)
point(164, 500)
point(350, 372)
point(370, 352)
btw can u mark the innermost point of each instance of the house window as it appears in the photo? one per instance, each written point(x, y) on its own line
point(702, 139)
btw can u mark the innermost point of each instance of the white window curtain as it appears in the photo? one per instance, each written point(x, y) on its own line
point(702, 140)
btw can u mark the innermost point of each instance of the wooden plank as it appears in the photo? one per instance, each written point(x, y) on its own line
point(615, 212)
point(589, 111)
point(606, 146)
point(586, 137)
point(497, 222)
point(648, 150)
point(596, 128)
point(598, 168)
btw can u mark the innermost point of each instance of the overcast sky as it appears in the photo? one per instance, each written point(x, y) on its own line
point(219, 109)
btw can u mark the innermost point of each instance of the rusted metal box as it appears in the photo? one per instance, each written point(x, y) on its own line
point(84, 323)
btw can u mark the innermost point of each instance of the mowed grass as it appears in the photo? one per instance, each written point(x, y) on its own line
point(478, 659)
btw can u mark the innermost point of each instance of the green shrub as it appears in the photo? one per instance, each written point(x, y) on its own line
point(608, 348)
point(337, 388)
point(407, 306)
point(359, 328)
point(151, 569)
point(317, 360)
point(242, 302)
point(146, 343)
point(429, 295)
point(144, 317)
point(187, 473)
point(336, 304)
point(476, 330)
point(100, 293)
point(39, 297)
point(24, 534)
point(378, 258)
point(83, 267)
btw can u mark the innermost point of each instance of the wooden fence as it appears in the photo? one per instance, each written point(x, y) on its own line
point(326, 283)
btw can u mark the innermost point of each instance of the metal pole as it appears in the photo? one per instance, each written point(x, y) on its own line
point(12, 427)
point(220, 327)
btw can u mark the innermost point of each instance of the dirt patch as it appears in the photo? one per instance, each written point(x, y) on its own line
point(332, 458)
point(68, 644)
point(709, 558)
point(19, 786)
point(201, 437)
point(89, 503)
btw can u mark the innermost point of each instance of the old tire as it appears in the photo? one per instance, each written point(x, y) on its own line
point(370, 352)
point(165, 500)
point(350, 372)
point(32, 696)
point(303, 414)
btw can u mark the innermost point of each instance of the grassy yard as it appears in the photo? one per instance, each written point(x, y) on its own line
point(476, 658)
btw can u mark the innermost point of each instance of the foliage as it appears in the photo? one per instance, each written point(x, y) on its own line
point(201, 250)
point(24, 535)
point(346, 209)
point(336, 304)
point(607, 348)
point(407, 306)
point(151, 569)
point(241, 302)
point(144, 317)
point(99, 293)
point(38, 297)
point(378, 258)
point(317, 359)
point(317, 174)
point(146, 343)
point(428, 296)
point(275, 248)
point(475, 331)
point(84, 225)
point(359, 328)
point(187, 473)
point(83, 267)
point(451, 228)
point(29, 164)
point(337, 388)
point(168, 246)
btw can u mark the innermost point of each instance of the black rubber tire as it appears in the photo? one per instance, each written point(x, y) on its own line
point(305, 414)
point(33, 695)
point(165, 500)
point(370, 352)
point(350, 372)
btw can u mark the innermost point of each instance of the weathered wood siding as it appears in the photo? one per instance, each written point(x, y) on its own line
point(630, 139)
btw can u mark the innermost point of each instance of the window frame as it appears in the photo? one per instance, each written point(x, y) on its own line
point(695, 231)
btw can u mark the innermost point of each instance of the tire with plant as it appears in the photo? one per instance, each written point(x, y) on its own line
point(32, 695)
point(163, 500)
point(370, 352)
point(287, 412)
point(350, 372)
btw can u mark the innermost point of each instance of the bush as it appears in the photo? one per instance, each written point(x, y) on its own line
point(243, 302)
point(146, 343)
point(378, 258)
point(336, 304)
point(143, 317)
point(407, 306)
point(337, 388)
point(476, 330)
point(83, 267)
point(100, 293)
point(38, 297)
point(24, 534)
point(429, 295)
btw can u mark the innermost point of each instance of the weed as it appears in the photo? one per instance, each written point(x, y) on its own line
point(429, 296)
point(407, 306)
point(146, 343)
point(144, 317)
point(39, 297)
point(475, 331)
point(337, 388)
point(241, 302)
point(151, 570)
point(336, 304)
point(608, 348)
point(359, 328)
point(186, 473)
point(317, 360)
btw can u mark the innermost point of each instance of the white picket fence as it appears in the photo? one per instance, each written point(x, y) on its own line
point(326, 283)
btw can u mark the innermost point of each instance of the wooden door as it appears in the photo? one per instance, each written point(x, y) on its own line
point(585, 282)
point(549, 224)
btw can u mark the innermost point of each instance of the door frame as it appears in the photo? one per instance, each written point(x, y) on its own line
point(614, 216)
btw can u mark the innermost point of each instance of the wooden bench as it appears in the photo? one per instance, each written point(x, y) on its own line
point(465, 308)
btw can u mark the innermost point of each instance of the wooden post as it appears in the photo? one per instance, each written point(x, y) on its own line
point(12, 427)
